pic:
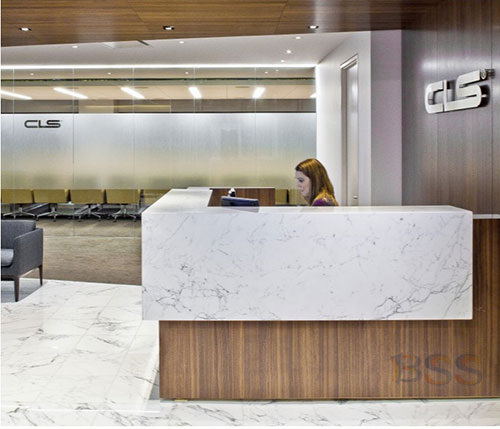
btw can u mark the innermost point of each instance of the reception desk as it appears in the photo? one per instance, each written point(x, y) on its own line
point(307, 302)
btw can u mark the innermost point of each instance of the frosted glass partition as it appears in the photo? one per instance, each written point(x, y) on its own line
point(161, 135)
point(158, 150)
point(37, 157)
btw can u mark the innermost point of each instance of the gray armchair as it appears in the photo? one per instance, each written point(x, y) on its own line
point(22, 250)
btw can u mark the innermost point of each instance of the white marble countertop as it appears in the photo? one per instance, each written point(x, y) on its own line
point(304, 263)
point(195, 200)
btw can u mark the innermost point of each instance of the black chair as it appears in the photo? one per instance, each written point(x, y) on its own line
point(22, 250)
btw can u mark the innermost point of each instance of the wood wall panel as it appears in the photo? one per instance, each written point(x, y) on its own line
point(323, 360)
point(447, 157)
point(464, 137)
point(495, 38)
point(420, 160)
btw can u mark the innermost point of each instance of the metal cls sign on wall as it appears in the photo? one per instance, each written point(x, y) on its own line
point(468, 94)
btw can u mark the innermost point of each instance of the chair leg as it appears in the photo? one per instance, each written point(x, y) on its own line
point(40, 271)
point(16, 288)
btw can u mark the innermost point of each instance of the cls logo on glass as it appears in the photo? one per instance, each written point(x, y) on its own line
point(466, 96)
point(36, 123)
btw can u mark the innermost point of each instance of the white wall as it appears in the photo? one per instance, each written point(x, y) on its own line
point(379, 74)
point(386, 118)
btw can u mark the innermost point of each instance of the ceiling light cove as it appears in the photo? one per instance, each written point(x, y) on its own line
point(257, 93)
point(14, 95)
point(71, 93)
point(149, 66)
point(195, 92)
point(132, 92)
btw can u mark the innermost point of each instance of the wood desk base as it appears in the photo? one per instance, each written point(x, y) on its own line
point(331, 360)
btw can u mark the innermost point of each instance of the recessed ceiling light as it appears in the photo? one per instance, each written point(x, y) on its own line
point(288, 51)
point(109, 73)
point(282, 61)
point(313, 27)
point(72, 93)
point(24, 28)
point(298, 37)
point(257, 93)
point(32, 74)
point(195, 92)
point(132, 92)
point(186, 72)
point(276, 70)
point(266, 72)
point(181, 42)
point(312, 95)
point(169, 27)
point(13, 94)
point(75, 46)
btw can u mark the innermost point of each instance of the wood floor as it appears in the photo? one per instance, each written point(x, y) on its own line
point(92, 250)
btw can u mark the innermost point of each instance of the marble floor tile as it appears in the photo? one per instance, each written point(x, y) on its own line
point(76, 390)
point(46, 343)
point(105, 344)
point(125, 314)
point(94, 362)
point(128, 392)
point(22, 416)
point(78, 312)
point(66, 327)
point(18, 388)
point(149, 327)
point(59, 351)
point(127, 328)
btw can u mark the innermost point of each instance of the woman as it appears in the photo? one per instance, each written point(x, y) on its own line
point(314, 184)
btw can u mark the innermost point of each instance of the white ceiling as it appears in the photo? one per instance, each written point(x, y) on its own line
point(255, 50)
point(220, 58)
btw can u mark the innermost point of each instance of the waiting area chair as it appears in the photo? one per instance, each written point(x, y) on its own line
point(295, 198)
point(153, 195)
point(22, 250)
point(281, 197)
point(90, 200)
point(52, 197)
point(20, 202)
point(125, 198)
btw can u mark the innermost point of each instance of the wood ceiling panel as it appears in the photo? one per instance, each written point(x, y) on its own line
point(64, 21)
point(213, 29)
point(221, 11)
